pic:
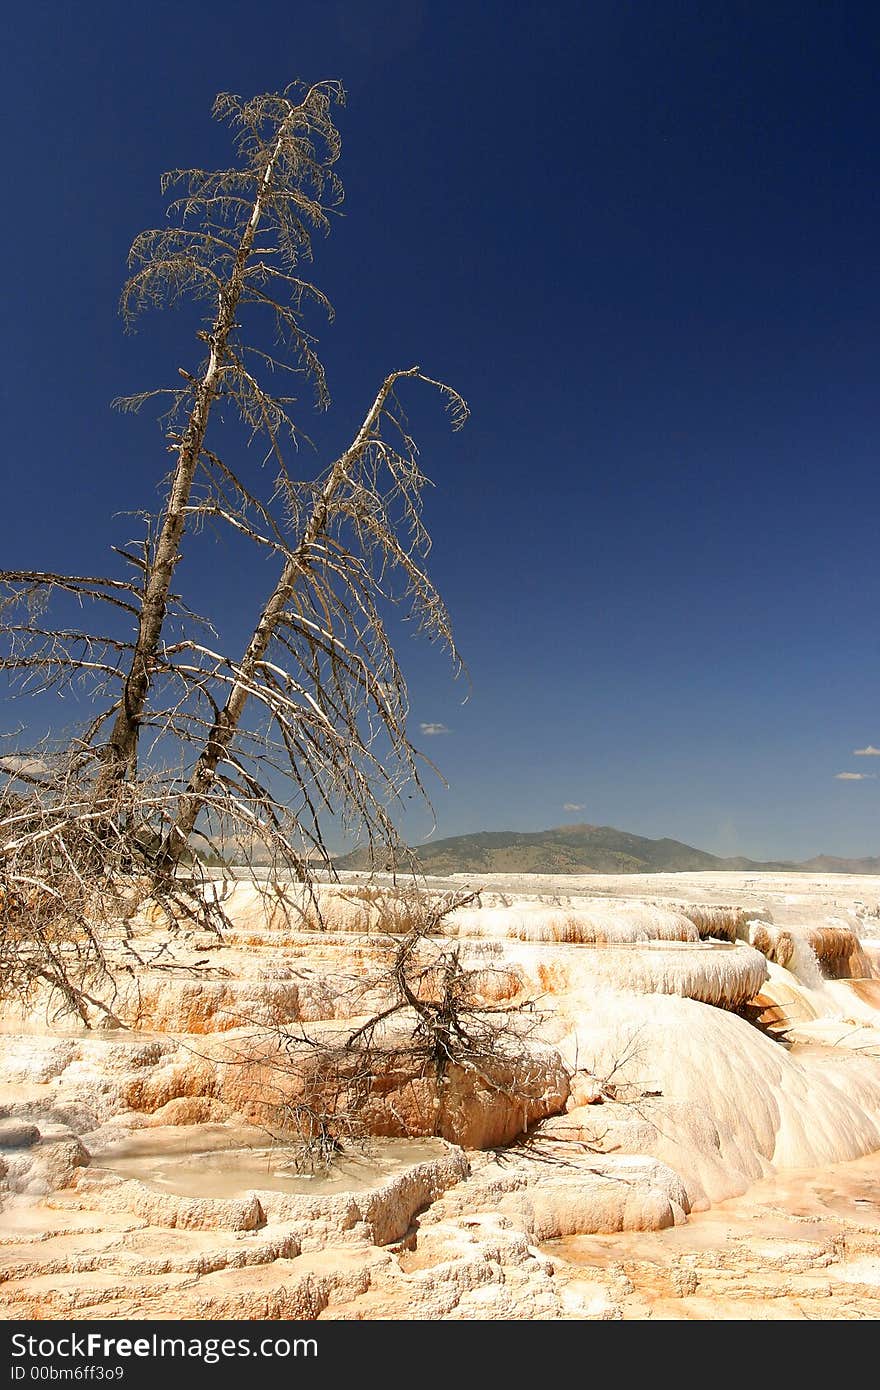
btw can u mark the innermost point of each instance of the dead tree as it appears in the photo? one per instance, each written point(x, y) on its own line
point(332, 665)
point(236, 240)
point(288, 150)
point(428, 1012)
point(192, 754)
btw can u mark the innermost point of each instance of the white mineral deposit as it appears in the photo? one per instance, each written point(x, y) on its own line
point(684, 1123)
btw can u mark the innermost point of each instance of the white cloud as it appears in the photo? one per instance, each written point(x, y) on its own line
point(572, 806)
point(431, 729)
point(854, 776)
point(869, 752)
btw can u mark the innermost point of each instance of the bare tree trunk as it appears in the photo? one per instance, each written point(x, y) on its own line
point(297, 564)
point(123, 741)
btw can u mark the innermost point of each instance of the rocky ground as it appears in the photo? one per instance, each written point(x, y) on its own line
point(688, 1127)
point(798, 1245)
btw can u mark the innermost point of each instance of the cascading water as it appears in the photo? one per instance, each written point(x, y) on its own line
point(804, 964)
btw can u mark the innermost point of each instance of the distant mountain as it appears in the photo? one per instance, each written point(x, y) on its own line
point(588, 849)
point(830, 864)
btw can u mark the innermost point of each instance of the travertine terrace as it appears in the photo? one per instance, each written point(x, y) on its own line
point(689, 1127)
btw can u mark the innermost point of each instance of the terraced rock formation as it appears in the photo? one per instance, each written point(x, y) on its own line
point(632, 1146)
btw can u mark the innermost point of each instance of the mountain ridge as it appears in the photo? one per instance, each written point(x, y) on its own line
point(584, 848)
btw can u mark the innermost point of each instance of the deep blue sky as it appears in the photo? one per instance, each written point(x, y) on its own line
point(642, 240)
